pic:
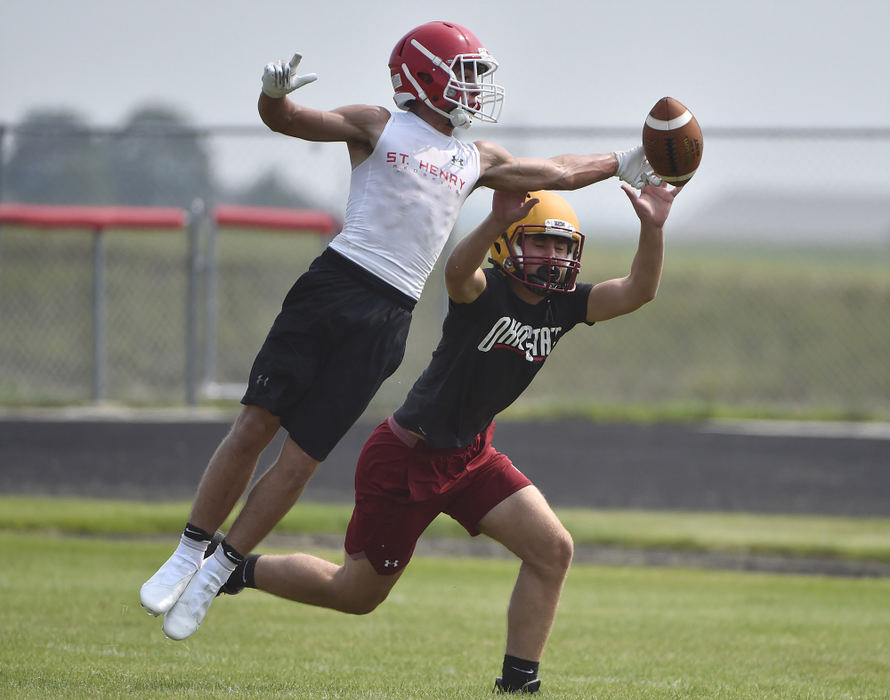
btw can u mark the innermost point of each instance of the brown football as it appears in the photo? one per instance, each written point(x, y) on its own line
point(672, 141)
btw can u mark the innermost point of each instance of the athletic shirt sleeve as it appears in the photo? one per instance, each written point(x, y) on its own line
point(404, 200)
point(489, 353)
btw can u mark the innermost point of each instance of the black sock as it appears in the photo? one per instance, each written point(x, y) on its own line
point(248, 569)
point(517, 672)
point(193, 532)
point(232, 554)
point(241, 577)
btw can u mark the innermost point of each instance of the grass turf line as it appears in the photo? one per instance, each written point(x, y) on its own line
point(860, 539)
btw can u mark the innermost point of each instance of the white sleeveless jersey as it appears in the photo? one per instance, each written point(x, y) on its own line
point(404, 200)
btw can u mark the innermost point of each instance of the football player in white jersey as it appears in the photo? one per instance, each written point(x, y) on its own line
point(343, 325)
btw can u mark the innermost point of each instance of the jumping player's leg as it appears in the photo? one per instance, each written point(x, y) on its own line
point(269, 500)
point(526, 525)
point(296, 376)
point(231, 467)
point(272, 497)
point(224, 481)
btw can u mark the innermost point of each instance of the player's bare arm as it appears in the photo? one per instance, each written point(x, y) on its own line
point(358, 126)
point(464, 278)
point(501, 170)
point(622, 295)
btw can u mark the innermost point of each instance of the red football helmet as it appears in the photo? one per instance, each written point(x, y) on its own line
point(444, 65)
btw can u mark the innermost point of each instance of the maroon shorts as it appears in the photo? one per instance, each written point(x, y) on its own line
point(400, 489)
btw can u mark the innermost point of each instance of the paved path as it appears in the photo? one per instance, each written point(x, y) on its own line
point(756, 467)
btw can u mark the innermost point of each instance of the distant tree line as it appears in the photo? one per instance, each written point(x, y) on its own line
point(155, 159)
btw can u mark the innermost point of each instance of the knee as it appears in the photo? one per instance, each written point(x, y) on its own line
point(253, 430)
point(563, 551)
point(554, 558)
point(361, 604)
point(294, 466)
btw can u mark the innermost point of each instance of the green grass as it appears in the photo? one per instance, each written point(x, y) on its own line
point(864, 539)
point(72, 627)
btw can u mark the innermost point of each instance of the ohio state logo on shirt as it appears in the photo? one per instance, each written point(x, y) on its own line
point(510, 334)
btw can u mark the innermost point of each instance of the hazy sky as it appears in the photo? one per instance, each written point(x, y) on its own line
point(563, 62)
point(756, 62)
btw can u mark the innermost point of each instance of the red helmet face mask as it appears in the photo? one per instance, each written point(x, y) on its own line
point(544, 274)
point(446, 67)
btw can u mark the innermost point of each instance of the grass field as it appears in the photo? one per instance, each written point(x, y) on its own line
point(841, 538)
point(72, 625)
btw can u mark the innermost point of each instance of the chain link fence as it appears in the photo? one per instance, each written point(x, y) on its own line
point(774, 299)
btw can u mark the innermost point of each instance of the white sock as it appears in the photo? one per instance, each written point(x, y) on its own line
point(218, 567)
point(192, 550)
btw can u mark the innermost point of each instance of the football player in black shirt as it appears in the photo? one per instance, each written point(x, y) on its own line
point(434, 454)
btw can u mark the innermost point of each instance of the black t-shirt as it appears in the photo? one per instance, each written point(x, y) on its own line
point(489, 353)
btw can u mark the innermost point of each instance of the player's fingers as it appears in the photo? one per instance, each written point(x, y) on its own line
point(305, 79)
point(663, 192)
point(528, 204)
point(294, 62)
point(650, 175)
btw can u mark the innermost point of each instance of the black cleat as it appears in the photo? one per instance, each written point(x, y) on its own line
point(530, 687)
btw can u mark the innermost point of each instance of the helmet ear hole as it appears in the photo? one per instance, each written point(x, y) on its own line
point(425, 78)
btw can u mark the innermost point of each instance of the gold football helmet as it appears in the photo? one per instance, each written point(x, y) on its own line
point(551, 216)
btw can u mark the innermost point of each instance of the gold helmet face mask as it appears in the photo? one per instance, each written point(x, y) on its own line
point(551, 216)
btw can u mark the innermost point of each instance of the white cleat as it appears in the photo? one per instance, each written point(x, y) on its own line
point(187, 614)
point(162, 590)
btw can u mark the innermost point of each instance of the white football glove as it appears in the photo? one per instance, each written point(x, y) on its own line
point(280, 78)
point(634, 169)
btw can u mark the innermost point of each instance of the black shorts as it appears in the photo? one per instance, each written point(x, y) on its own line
point(340, 333)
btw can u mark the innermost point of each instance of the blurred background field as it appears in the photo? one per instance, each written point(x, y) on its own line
point(736, 330)
point(773, 301)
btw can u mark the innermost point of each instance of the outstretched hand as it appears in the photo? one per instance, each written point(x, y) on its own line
point(507, 207)
point(281, 78)
point(634, 168)
point(653, 203)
